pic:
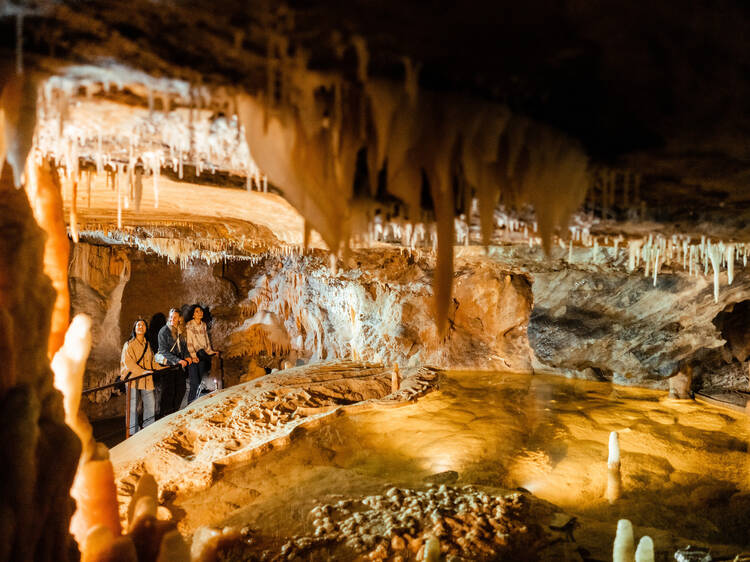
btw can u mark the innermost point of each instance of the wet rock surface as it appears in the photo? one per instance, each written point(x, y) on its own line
point(683, 464)
point(459, 524)
point(188, 450)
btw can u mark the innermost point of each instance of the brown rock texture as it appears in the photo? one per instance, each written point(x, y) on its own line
point(187, 451)
point(380, 308)
point(41, 452)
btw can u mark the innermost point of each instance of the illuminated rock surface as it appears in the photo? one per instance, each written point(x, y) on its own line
point(684, 466)
point(391, 139)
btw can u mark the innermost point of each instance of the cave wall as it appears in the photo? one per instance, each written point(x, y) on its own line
point(380, 309)
point(156, 285)
point(618, 326)
point(97, 277)
point(589, 322)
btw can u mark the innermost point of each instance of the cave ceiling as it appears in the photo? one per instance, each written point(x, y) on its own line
point(653, 91)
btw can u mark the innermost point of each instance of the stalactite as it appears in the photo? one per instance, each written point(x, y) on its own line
point(715, 257)
point(305, 149)
point(18, 102)
point(74, 211)
point(730, 262)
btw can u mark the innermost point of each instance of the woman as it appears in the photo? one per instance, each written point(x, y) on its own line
point(173, 352)
point(138, 359)
point(199, 348)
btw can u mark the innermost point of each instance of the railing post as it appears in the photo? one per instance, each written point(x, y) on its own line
point(221, 378)
point(127, 409)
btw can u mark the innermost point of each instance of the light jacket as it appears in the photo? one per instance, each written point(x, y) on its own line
point(131, 352)
point(197, 338)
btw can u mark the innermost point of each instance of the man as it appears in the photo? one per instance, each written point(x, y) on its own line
point(173, 352)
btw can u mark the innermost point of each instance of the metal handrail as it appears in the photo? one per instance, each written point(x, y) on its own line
point(119, 382)
point(127, 382)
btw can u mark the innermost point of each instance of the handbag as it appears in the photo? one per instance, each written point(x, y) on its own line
point(203, 355)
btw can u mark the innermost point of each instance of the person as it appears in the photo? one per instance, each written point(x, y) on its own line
point(157, 322)
point(173, 352)
point(138, 359)
point(199, 347)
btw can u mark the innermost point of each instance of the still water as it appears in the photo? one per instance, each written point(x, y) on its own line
point(684, 465)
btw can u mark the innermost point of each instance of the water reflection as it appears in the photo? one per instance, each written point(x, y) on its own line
point(684, 464)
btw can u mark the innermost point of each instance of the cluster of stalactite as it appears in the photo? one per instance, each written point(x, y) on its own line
point(342, 151)
point(345, 151)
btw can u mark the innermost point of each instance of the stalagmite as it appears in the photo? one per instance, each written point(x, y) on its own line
point(614, 480)
point(431, 549)
point(102, 545)
point(395, 379)
point(94, 486)
point(44, 192)
point(645, 550)
point(623, 549)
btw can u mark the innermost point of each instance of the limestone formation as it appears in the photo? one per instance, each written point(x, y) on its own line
point(553, 189)
point(36, 505)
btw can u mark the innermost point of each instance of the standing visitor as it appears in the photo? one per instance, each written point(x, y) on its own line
point(138, 359)
point(157, 322)
point(173, 352)
point(199, 347)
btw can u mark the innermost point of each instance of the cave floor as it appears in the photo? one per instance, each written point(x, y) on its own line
point(685, 470)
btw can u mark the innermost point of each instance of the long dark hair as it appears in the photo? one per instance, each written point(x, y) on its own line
point(132, 332)
point(206, 314)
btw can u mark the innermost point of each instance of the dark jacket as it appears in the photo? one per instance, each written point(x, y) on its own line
point(170, 351)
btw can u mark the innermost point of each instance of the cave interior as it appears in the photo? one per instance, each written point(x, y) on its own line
point(476, 273)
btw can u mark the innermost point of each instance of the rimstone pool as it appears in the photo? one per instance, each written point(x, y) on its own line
point(684, 465)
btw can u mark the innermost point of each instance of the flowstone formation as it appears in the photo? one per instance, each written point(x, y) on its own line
point(379, 310)
point(378, 130)
point(188, 450)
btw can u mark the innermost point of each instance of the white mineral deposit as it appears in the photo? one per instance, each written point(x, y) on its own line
point(427, 262)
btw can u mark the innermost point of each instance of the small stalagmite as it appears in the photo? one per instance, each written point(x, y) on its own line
point(645, 550)
point(623, 549)
point(614, 479)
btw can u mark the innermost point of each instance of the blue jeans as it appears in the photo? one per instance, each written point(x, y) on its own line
point(147, 397)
